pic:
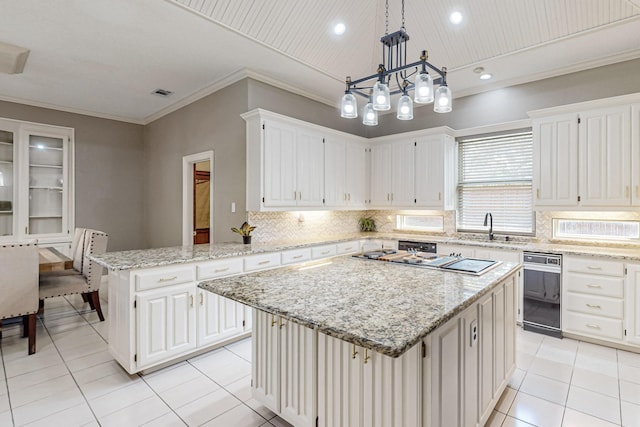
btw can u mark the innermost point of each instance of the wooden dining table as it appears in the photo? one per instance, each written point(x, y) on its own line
point(52, 259)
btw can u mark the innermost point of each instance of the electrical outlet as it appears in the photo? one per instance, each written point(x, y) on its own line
point(473, 333)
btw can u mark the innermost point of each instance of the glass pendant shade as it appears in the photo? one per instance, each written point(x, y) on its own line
point(405, 108)
point(349, 107)
point(381, 97)
point(369, 115)
point(423, 88)
point(443, 99)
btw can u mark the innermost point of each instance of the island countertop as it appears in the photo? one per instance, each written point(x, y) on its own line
point(381, 306)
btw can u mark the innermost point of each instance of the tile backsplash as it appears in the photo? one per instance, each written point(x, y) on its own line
point(308, 225)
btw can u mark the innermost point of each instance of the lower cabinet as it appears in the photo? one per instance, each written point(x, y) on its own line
point(218, 318)
point(284, 368)
point(632, 308)
point(453, 378)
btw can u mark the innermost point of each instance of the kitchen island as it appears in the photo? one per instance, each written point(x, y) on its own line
point(350, 342)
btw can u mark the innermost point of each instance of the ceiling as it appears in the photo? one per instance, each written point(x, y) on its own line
point(105, 57)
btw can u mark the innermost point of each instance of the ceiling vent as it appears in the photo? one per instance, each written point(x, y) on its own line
point(162, 92)
point(12, 58)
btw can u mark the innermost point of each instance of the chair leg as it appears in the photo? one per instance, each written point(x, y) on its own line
point(89, 299)
point(25, 326)
point(31, 322)
point(41, 307)
point(85, 298)
point(0, 329)
point(94, 297)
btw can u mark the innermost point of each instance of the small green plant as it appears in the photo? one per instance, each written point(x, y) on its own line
point(367, 223)
point(244, 230)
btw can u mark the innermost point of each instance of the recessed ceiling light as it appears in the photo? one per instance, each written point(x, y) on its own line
point(486, 76)
point(339, 29)
point(455, 17)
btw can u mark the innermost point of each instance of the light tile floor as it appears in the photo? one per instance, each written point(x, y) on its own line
point(73, 381)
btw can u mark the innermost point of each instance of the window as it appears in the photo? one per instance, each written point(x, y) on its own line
point(495, 175)
point(596, 229)
point(421, 222)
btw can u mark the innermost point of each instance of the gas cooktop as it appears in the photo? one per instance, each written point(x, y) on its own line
point(430, 260)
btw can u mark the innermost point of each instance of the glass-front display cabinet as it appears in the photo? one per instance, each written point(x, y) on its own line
point(36, 183)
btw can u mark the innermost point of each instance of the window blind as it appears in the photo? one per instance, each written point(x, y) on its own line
point(495, 175)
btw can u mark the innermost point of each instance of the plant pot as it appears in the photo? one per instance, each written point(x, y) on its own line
point(246, 240)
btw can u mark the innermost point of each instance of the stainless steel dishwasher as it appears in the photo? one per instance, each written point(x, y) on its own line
point(542, 293)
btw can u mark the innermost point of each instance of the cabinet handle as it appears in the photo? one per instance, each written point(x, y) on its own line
point(264, 262)
point(592, 326)
point(439, 195)
point(392, 197)
point(388, 196)
point(281, 323)
point(297, 257)
point(594, 286)
point(344, 197)
point(220, 270)
point(366, 356)
point(626, 191)
point(637, 190)
point(295, 195)
point(349, 248)
point(354, 353)
point(594, 267)
point(167, 279)
point(349, 196)
point(325, 252)
point(593, 306)
point(537, 193)
point(201, 298)
point(191, 300)
point(300, 195)
point(273, 321)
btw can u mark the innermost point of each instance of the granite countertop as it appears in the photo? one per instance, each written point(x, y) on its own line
point(148, 258)
point(381, 306)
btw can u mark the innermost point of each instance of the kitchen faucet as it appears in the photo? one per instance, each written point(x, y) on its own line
point(490, 218)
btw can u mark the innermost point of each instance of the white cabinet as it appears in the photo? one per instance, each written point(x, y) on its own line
point(309, 177)
point(36, 182)
point(593, 298)
point(605, 157)
point(166, 323)
point(393, 174)
point(555, 161)
point(345, 183)
point(219, 318)
point(435, 172)
point(635, 154)
point(361, 388)
point(284, 368)
point(632, 304)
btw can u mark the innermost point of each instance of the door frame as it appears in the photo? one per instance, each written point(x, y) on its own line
point(187, 195)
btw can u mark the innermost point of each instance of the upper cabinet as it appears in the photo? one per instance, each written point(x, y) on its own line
point(393, 174)
point(587, 155)
point(36, 182)
point(287, 170)
point(436, 172)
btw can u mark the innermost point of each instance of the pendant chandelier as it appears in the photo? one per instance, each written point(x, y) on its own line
point(394, 76)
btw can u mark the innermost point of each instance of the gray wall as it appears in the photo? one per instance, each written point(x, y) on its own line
point(211, 123)
point(512, 103)
point(109, 171)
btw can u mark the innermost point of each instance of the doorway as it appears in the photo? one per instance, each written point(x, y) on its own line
point(197, 191)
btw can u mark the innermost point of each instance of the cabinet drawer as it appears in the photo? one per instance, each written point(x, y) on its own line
point(593, 325)
point(297, 255)
point(594, 285)
point(157, 278)
point(215, 269)
point(323, 251)
point(261, 262)
point(594, 266)
point(589, 304)
point(348, 248)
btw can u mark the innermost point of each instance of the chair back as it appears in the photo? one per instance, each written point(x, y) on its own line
point(77, 248)
point(18, 280)
point(95, 243)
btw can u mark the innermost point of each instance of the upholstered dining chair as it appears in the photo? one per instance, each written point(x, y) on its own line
point(19, 287)
point(87, 282)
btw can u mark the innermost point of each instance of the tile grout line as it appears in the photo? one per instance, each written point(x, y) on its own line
point(163, 401)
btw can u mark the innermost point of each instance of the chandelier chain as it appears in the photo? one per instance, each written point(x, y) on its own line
point(386, 15)
point(402, 15)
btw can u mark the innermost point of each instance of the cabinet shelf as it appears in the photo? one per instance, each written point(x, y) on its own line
point(44, 216)
point(34, 165)
point(6, 162)
point(6, 212)
point(35, 147)
point(6, 143)
point(46, 188)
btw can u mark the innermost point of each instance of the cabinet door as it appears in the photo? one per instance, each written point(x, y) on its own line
point(356, 175)
point(380, 187)
point(48, 195)
point(219, 318)
point(265, 366)
point(486, 377)
point(446, 377)
point(632, 304)
point(279, 165)
point(309, 168)
point(403, 174)
point(605, 157)
point(8, 178)
point(166, 323)
point(335, 193)
point(635, 154)
point(555, 161)
point(430, 173)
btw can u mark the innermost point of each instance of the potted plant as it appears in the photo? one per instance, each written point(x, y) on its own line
point(245, 231)
point(367, 223)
